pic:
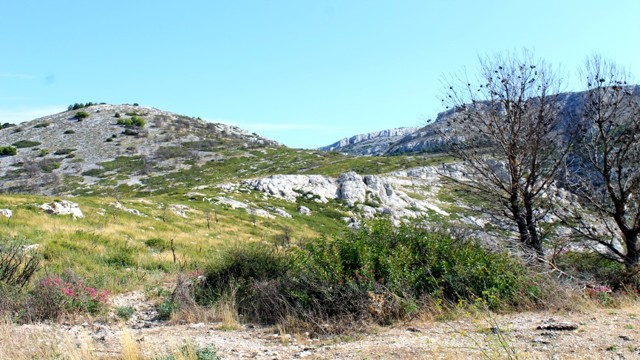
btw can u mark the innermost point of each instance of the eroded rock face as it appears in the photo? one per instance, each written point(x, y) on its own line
point(352, 188)
point(382, 194)
point(289, 187)
point(63, 207)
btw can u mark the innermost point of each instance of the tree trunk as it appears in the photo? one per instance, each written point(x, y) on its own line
point(631, 242)
point(520, 219)
point(535, 242)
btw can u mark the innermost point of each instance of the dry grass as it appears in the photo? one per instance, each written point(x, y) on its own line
point(130, 349)
point(35, 342)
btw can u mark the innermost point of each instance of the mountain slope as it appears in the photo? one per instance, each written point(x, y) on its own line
point(429, 139)
point(78, 142)
point(371, 143)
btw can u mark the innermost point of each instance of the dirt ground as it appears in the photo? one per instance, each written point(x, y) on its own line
point(599, 333)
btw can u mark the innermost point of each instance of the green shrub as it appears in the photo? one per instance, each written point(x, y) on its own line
point(8, 151)
point(121, 257)
point(157, 244)
point(25, 144)
point(66, 132)
point(77, 106)
point(42, 125)
point(124, 312)
point(80, 115)
point(7, 125)
point(380, 272)
point(134, 121)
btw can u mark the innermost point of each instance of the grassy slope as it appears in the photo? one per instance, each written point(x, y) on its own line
point(120, 251)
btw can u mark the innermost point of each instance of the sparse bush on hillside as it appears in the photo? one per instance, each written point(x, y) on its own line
point(134, 121)
point(7, 125)
point(77, 106)
point(7, 151)
point(80, 115)
point(25, 144)
point(42, 125)
point(66, 132)
point(379, 273)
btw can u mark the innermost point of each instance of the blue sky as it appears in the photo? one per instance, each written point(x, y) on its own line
point(304, 73)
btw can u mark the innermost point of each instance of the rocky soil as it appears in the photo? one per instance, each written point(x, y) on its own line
point(597, 333)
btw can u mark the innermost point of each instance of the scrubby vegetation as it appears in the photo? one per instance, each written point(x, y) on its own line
point(77, 106)
point(7, 151)
point(25, 144)
point(81, 115)
point(134, 121)
point(379, 273)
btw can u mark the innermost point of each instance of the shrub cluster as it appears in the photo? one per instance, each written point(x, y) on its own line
point(7, 125)
point(80, 115)
point(25, 144)
point(50, 297)
point(53, 296)
point(134, 121)
point(77, 106)
point(379, 273)
point(7, 151)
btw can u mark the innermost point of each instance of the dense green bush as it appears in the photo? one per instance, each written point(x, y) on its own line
point(380, 272)
point(77, 106)
point(134, 121)
point(7, 125)
point(80, 115)
point(7, 151)
point(66, 132)
point(42, 125)
point(25, 144)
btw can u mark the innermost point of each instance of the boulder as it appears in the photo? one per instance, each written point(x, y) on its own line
point(118, 205)
point(260, 212)
point(180, 210)
point(6, 213)
point(352, 188)
point(63, 207)
point(282, 213)
point(304, 210)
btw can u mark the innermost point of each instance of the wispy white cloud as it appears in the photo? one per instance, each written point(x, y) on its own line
point(18, 115)
point(17, 76)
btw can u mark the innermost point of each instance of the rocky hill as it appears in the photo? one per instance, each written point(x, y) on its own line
point(85, 144)
point(372, 143)
point(428, 139)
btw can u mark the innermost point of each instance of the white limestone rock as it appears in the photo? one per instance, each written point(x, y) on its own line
point(282, 213)
point(352, 188)
point(6, 213)
point(63, 207)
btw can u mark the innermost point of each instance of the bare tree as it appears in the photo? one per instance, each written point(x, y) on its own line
point(604, 169)
point(506, 126)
